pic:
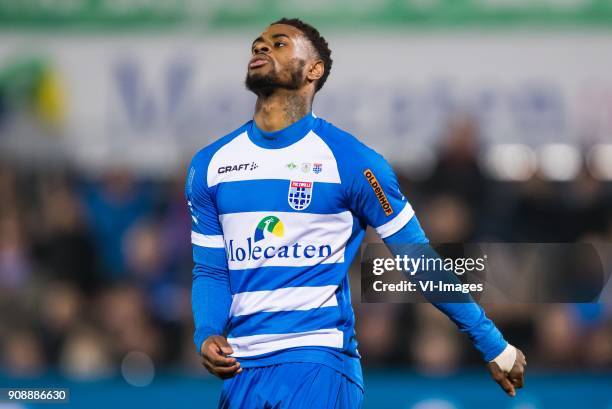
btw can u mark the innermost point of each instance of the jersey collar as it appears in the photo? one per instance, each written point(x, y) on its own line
point(283, 137)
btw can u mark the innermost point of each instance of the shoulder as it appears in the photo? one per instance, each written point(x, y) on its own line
point(348, 149)
point(198, 168)
point(203, 157)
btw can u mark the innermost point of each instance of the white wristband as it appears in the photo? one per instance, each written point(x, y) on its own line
point(506, 359)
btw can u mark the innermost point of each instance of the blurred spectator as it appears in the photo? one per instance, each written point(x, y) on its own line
point(14, 260)
point(65, 249)
point(148, 262)
point(589, 205)
point(377, 333)
point(555, 323)
point(122, 311)
point(435, 349)
point(60, 311)
point(86, 355)
point(113, 205)
point(447, 219)
point(175, 225)
point(22, 354)
point(458, 172)
point(541, 214)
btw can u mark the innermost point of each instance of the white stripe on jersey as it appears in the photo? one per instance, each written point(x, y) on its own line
point(324, 235)
point(260, 344)
point(241, 159)
point(284, 299)
point(204, 240)
point(394, 225)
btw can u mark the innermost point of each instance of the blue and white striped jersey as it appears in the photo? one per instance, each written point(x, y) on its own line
point(282, 215)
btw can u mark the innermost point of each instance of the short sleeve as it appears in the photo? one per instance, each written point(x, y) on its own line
point(375, 195)
point(206, 232)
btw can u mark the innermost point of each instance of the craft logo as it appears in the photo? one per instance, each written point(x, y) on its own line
point(300, 194)
point(253, 249)
point(237, 168)
point(305, 167)
point(378, 191)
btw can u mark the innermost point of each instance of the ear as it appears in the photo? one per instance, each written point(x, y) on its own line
point(316, 71)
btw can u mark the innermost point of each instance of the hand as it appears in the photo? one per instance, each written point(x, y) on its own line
point(214, 353)
point(512, 380)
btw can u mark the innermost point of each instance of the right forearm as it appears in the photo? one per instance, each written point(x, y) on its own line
point(210, 300)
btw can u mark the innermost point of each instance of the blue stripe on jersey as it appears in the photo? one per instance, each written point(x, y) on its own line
point(272, 278)
point(268, 194)
point(209, 256)
point(282, 322)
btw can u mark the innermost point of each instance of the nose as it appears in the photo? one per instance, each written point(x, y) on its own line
point(261, 48)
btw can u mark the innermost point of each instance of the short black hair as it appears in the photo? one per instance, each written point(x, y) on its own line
point(317, 40)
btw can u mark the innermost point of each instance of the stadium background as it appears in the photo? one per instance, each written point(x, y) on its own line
point(497, 116)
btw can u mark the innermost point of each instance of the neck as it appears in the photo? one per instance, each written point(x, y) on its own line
point(281, 109)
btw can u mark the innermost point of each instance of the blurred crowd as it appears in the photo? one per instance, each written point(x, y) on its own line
point(93, 267)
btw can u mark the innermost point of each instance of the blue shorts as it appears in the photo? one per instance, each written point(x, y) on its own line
point(290, 386)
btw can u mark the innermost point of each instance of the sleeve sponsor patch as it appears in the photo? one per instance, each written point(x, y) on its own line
point(378, 191)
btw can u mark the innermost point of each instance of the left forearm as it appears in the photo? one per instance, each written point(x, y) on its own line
point(469, 317)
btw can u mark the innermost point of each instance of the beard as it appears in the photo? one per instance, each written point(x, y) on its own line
point(266, 84)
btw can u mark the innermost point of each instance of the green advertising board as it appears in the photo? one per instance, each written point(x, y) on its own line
point(215, 14)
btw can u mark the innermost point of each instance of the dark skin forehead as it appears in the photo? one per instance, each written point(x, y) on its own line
point(302, 45)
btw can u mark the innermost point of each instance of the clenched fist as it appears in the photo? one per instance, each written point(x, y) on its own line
point(510, 375)
point(214, 352)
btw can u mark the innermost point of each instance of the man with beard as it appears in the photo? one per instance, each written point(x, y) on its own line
point(279, 209)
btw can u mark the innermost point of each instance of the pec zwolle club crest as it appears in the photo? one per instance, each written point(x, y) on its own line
point(300, 194)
